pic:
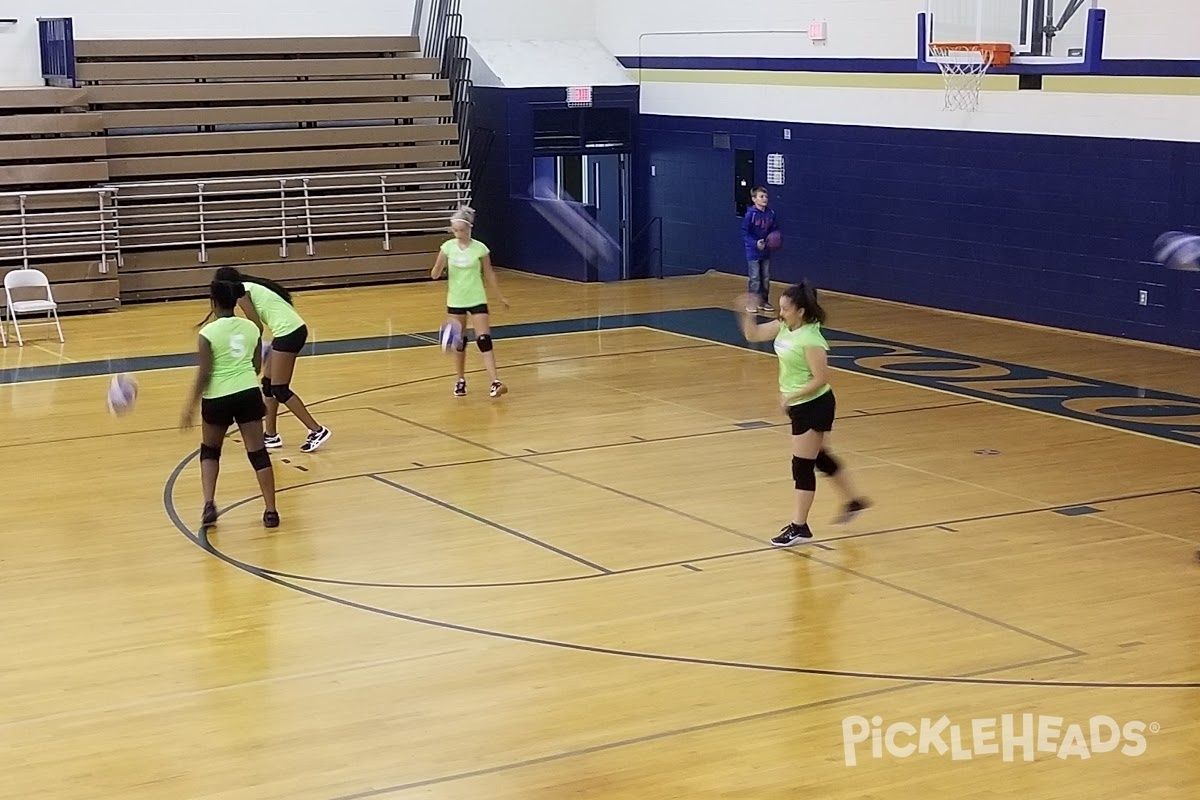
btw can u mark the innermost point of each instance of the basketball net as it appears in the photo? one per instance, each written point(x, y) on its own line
point(963, 70)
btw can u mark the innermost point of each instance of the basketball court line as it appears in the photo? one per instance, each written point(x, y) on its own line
point(528, 460)
point(492, 524)
point(748, 537)
point(936, 525)
point(202, 541)
point(673, 733)
point(952, 393)
point(283, 412)
point(713, 326)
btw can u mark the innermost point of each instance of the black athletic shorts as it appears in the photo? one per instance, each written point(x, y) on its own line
point(242, 407)
point(815, 415)
point(458, 312)
point(291, 343)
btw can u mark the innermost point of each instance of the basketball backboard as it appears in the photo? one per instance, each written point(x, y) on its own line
point(1047, 36)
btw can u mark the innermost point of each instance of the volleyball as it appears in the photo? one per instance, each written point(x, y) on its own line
point(449, 335)
point(1178, 250)
point(122, 394)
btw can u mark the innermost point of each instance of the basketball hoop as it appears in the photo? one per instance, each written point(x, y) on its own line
point(964, 66)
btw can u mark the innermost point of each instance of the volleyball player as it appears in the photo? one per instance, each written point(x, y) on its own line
point(267, 303)
point(468, 264)
point(226, 390)
point(806, 397)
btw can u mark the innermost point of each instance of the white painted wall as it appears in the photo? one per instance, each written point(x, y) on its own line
point(529, 19)
point(150, 19)
point(857, 28)
point(529, 63)
point(1168, 118)
point(860, 28)
point(1155, 29)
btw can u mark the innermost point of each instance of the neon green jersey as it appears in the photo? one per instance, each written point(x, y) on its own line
point(464, 267)
point(794, 371)
point(234, 341)
point(275, 312)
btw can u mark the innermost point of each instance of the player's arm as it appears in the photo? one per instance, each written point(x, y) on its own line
point(751, 329)
point(258, 355)
point(247, 308)
point(818, 365)
point(489, 275)
point(439, 266)
point(748, 235)
point(204, 370)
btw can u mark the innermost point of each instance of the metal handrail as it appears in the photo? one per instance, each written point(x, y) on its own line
point(444, 40)
point(201, 213)
point(290, 177)
point(26, 240)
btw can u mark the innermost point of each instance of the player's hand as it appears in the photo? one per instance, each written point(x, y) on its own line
point(187, 420)
point(743, 302)
point(762, 244)
point(504, 302)
point(784, 403)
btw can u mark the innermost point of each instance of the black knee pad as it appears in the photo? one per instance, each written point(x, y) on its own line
point(266, 386)
point(485, 343)
point(827, 464)
point(282, 392)
point(803, 474)
point(210, 453)
point(260, 459)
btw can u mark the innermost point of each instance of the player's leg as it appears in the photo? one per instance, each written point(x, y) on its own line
point(459, 315)
point(483, 338)
point(249, 417)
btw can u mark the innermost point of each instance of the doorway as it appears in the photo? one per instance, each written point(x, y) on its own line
point(599, 182)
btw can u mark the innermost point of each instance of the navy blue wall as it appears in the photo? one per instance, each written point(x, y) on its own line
point(502, 171)
point(1046, 229)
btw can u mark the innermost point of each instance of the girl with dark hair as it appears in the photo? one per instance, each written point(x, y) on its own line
point(266, 303)
point(806, 397)
point(226, 389)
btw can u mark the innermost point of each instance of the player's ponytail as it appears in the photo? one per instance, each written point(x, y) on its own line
point(223, 296)
point(804, 297)
point(233, 275)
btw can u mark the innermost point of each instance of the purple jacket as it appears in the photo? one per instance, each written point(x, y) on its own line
point(755, 226)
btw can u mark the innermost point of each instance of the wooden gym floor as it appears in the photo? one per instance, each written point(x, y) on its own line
point(569, 593)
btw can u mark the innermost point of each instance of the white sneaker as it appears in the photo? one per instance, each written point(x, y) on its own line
point(315, 439)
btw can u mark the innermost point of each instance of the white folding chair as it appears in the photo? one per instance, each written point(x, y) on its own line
point(29, 282)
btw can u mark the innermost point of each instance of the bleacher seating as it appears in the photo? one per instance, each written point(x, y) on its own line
point(51, 217)
point(316, 161)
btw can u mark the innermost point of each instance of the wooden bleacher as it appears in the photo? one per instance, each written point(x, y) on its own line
point(49, 141)
point(314, 161)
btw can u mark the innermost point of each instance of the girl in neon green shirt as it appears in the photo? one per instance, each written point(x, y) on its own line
point(226, 389)
point(469, 264)
point(269, 305)
point(806, 397)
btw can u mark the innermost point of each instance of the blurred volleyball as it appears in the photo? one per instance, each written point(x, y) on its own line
point(266, 350)
point(122, 394)
point(573, 222)
point(449, 335)
point(1178, 250)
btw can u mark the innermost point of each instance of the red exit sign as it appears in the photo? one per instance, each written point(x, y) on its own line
point(579, 96)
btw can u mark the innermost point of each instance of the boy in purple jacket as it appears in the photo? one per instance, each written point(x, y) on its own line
point(759, 223)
